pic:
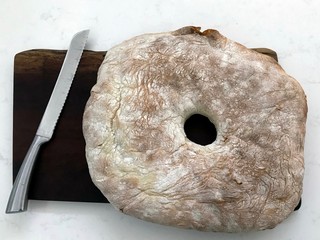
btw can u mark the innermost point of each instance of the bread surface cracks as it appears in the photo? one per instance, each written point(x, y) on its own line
point(249, 178)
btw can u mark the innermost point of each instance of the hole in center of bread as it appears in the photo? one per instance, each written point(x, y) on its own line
point(199, 129)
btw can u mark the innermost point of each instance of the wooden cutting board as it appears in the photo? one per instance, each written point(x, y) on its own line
point(61, 171)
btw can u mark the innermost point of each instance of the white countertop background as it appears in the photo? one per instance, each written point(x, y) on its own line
point(291, 28)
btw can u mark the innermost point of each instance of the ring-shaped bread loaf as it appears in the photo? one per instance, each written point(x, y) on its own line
point(249, 178)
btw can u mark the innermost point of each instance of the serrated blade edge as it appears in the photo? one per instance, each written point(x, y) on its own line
point(63, 84)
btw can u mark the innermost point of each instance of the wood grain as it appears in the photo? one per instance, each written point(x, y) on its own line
point(61, 171)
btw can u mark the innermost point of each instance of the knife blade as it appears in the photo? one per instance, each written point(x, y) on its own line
point(18, 200)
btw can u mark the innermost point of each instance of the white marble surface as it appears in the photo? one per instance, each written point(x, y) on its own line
point(289, 27)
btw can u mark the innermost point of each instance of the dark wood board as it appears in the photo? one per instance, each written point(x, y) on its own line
point(61, 171)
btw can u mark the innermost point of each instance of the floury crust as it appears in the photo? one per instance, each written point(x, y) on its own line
point(249, 178)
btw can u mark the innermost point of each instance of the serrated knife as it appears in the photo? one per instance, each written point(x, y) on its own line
point(18, 200)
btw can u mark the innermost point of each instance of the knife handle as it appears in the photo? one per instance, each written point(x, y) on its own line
point(18, 200)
